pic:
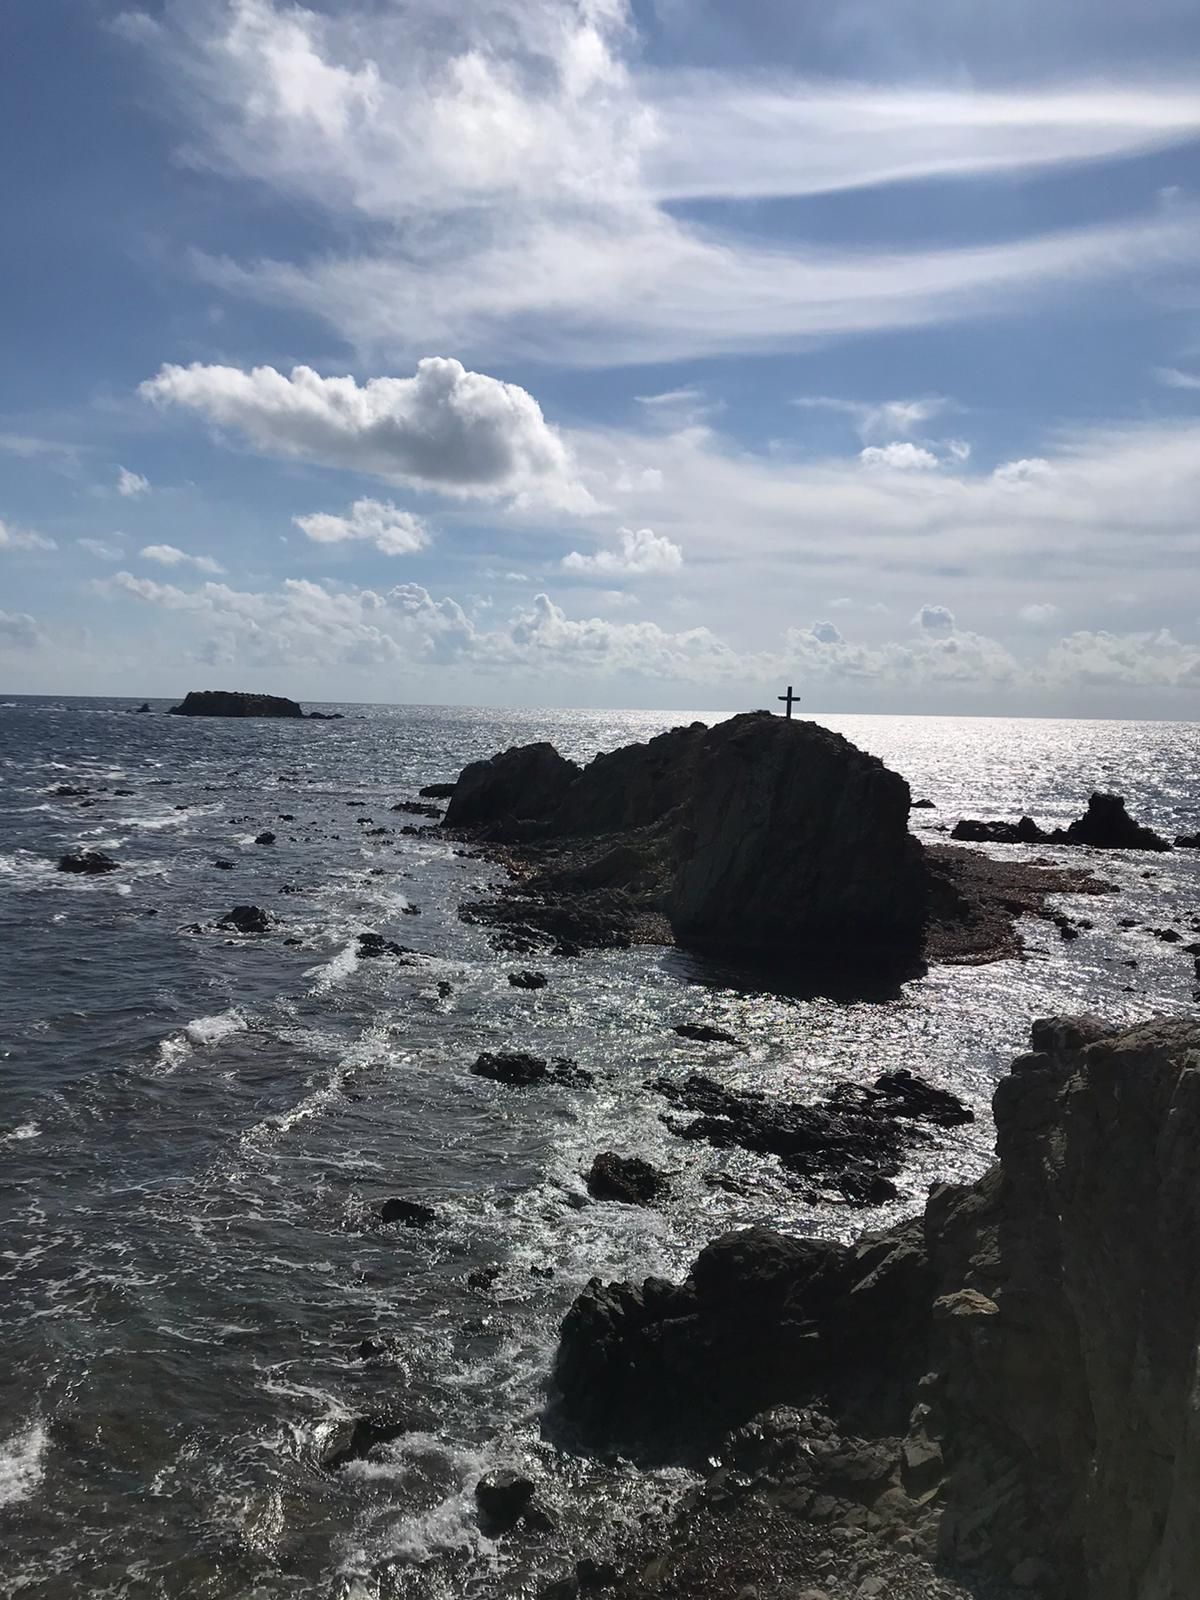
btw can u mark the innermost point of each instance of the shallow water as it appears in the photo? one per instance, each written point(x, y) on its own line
point(196, 1132)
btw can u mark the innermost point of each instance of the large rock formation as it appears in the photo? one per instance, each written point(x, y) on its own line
point(230, 703)
point(1008, 1383)
point(760, 834)
point(1105, 825)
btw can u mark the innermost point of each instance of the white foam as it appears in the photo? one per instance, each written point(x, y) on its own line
point(22, 1463)
point(330, 973)
point(27, 1130)
point(211, 1030)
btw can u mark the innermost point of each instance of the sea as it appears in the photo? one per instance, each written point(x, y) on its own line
point(197, 1130)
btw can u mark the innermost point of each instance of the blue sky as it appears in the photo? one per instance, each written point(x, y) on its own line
point(573, 352)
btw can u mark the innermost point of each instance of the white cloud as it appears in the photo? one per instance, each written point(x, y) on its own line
point(102, 549)
point(826, 633)
point(131, 484)
point(1032, 470)
point(1040, 614)
point(1175, 379)
point(642, 553)
point(880, 419)
point(899, 457)
point(457, 432)
point(387, 527)
point(167, 555)
point(514, 179)
point(935, 619)
point(23, 539)
point(18, 630)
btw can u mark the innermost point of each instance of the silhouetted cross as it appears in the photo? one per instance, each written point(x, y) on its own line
point(790, 700)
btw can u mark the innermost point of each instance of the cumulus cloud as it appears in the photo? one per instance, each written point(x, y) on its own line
point(102, 549)
point(1040, 613)
point(457, 432)
point(23, 538)
point(1034, 469)
point(935, 619)
point(392, 531)
point(167, 555)
point(641, 553)
point(131, 484)
point(18, 630)
point(901, 456)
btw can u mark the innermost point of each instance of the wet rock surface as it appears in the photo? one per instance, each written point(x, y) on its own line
point(503, 1499)
point(628, 1179)
point(1001, 1387)
point(246, 919)
point(91, 863)
point(373, 946)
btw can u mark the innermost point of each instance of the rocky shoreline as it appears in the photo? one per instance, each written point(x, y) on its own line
point(999, 1392)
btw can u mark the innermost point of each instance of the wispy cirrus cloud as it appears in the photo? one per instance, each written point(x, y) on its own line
point(168, 555)
point(13, 538)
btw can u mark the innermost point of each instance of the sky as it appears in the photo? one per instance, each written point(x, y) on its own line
point(604, 352)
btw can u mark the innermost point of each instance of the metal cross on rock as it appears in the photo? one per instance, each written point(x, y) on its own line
point(790, 700)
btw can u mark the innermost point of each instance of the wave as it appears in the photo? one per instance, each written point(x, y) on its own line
point(22, 1463)
point(211, 1030)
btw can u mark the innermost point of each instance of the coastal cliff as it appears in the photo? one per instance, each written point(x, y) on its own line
point(1005, 1386)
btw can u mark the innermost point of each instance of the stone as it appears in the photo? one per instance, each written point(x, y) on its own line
point(969, 831)
point(511, 1067)
point(89, 862)
point(528, 980)
point(438, 791)
point(503, 1498)
point(409, 1212)
point(530, 781)
point(625, 1178)
point(222, 865)
point(266, 837)
point(356, 1437)
point(246, 919)
point(371, 946)
point(1106, 825)
point(703, 1033)
point(226, 703)
point(924, 805)
point(1187, 841)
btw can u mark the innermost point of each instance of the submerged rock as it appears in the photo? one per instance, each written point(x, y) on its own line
point(410, 1212)
point(373, 945)
point(247, 919)
point(233, 703)
point(511, 1066)
point(90, 862)
point(528, 980)
point(625, 1178)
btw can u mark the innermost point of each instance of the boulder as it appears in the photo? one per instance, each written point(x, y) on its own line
point(1187, 841)
point(410, 1212)
point(265, 838)
point(437, 791)
point(625, 1178)
point(969, 831)
point(528, 782)
point(528, 980)
point(373, 945)
point(511, 1066)
point(704, 1033)
point(1106, 825)
point(246, 919)
point(229, 703)
point(89, 862)
point(503, 1499)
point(356, 1437)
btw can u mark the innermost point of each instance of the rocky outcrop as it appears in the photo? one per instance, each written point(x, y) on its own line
point(1006, 1384)
point(89, 862)
point(1105, 825)
point(230, 703)
point(527, 783)
point(246, 919)
point(969, 831)
point(768, 836)
point(628, 1179)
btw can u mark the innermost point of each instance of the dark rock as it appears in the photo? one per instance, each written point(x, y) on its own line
point(265, 838)
point(90, 862)
point(704, 1034)
point(370, 1350)
point(223, 865)
point(512, 1067)
point(326, 716)
point(286, 816)
point(1187, 841)
point(625, 1178)
point(373, 945)
point(1106, 825)
point(528, 980)
point(503, 1498)
point(571, 1074)
point(67, 791)
point(409, 1212)
point(247, 919)
point(415, 808)
point(143, 708)
point(223, 703)
point(528, 782)
point(968, 831)
point(438, 791)
point(354, 1439)
point(1166, 935)
point(924, 805)
point(445, 988)
point(482, 1278)
point(364, 822)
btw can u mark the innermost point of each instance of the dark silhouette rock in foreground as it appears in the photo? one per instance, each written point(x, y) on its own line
point(1187, 841)
point(1005, 1384)
point(503, 1499)
point(410, 1212)
point(968, 831)
point(529, 782)
point(231, 703)
point(626, 1178)
point(437, 791)
point(90, 862)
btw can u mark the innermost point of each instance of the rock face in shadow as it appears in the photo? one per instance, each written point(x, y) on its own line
point(763, 835)
point(1006, 1383)
point(231, 703)
point(1105, 825)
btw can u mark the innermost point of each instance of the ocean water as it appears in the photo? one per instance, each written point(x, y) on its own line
point(196, 1132)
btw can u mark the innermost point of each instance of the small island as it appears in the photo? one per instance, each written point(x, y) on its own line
point(235, 703)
